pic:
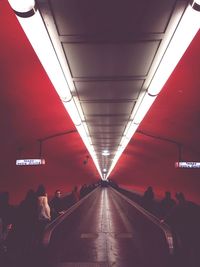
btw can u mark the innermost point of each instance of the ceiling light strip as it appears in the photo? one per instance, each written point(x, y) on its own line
point(181, 39)
point(39, 38)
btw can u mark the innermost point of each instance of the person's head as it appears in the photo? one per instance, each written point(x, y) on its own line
point(4, 198)
point(30, 195)
point(41, 190)
point(180, 197)
point(58, 193)
point(149, 188)
point(167, 194)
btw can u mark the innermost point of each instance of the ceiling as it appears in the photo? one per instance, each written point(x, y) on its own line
point(112, 49)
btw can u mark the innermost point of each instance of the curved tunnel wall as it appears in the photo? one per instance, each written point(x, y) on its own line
point(30, 110)
point(174, 116)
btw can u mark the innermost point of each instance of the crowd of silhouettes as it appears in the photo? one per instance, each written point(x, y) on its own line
point(22, 225)
point(184, 219)
point(182, 216)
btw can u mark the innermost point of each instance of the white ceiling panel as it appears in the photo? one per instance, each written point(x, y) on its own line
point(94, 90)
point(110, 60)
point(78, 17)
point(107, 108)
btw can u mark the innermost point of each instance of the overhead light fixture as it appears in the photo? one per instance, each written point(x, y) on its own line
point(23, 7)
point(34, 28)
point(104, 177)
point(182, 36)
point(32, 24)
point(73, 112)
point(105, 153)
point(143, 108)
point(132, 129)
point(181, 39)
point(31, 21)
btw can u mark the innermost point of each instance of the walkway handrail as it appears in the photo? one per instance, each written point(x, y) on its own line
point(164, 227)
point(52, 225)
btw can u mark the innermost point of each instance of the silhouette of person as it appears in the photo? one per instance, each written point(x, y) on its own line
point(43, 206)
point(56, 205)
point(184, 220)
point(166, 204)
point(43, 213)
point(75, 195)
point(6, 219)
point(22, 237)
point(148, 199)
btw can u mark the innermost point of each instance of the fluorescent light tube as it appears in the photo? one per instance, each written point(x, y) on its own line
point(143, 108)
point(182, 37)
point(72, 110)
point(132, 130)
point(184, 34)
point(83, 134)
point(35, 29)
point(87, 141)
point(22, 5)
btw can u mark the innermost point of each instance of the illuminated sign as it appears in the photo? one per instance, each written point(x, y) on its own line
point(187, 164)
point(22, 162)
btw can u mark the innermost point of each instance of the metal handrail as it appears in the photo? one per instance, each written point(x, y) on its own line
point(163, 226)
point(52, 225)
